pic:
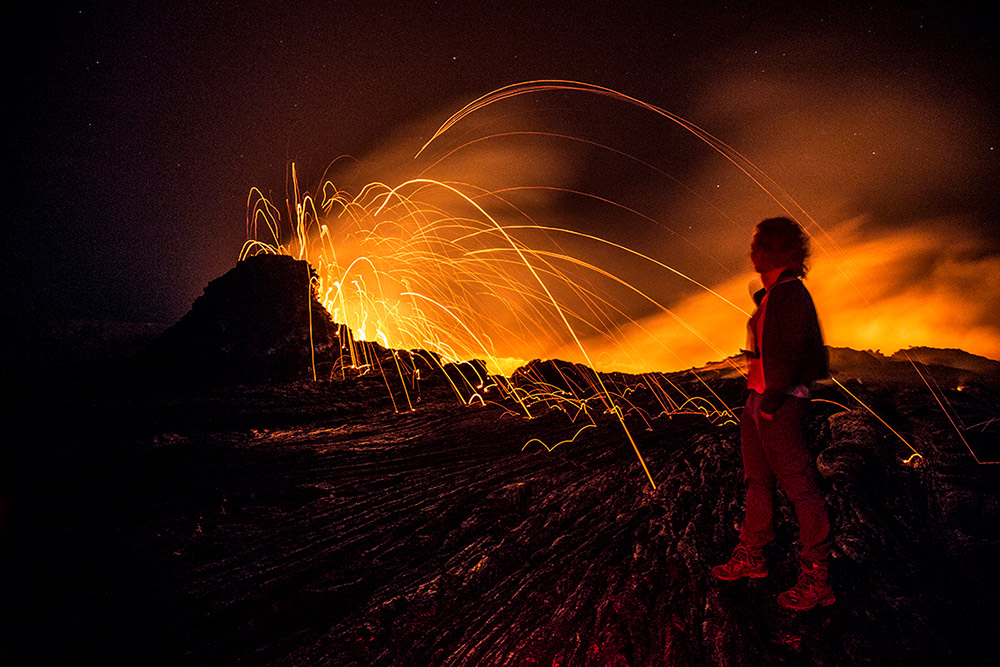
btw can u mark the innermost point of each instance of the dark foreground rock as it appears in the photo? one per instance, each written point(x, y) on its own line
point(311, 523)
point(260, 322)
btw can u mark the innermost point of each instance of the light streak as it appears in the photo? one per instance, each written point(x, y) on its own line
point(948, 414)
point(826, 400)
point(561, 442)
point(914, 455)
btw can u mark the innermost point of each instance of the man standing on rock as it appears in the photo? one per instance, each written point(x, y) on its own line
point(786, 354)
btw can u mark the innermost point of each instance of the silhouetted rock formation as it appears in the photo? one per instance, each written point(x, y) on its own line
point(951, 358)
point(556, 374)
point(948, 367)
point(259, 322)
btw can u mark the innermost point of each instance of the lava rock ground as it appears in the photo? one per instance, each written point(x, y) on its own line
point(309, 523)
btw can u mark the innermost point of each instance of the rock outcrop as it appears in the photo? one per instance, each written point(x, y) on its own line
point(260, 322)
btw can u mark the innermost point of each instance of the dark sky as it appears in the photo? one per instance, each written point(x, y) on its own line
point(139, 128)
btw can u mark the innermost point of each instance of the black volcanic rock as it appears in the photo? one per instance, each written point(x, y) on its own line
point(944, 366)
point(845, 361)
point(329, 523)
point(556, 374)
point(259, 322)
point(320, 523)
point(951, 358)
point(361, 535)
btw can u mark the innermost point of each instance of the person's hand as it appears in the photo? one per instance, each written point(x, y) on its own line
point(770, 403)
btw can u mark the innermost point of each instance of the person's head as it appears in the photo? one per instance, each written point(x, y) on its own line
point(779, 243)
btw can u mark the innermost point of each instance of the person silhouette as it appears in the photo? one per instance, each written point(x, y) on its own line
point(785, 355)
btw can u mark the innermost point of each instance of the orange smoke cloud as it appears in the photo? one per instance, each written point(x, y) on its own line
point(927, 285)
point(889, 291)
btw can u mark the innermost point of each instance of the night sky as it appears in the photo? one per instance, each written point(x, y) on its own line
point(140, 128)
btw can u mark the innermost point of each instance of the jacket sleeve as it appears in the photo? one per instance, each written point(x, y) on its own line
point(785, 344)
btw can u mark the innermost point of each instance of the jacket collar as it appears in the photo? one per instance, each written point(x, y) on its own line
point(786, 276)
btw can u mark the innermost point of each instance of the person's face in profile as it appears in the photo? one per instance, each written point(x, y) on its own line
point(761, 257)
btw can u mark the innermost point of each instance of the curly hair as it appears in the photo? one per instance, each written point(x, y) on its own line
point(786, 239)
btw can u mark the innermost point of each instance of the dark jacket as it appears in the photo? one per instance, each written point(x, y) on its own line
point(791, 350)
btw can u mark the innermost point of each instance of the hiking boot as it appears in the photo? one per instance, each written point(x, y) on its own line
point(812, 589)
point(745, 562)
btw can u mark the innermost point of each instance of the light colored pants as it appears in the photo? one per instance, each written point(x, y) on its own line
point(774, 452)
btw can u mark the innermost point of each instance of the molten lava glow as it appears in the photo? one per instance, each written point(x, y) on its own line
point(925, 287)
point(885, 292)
